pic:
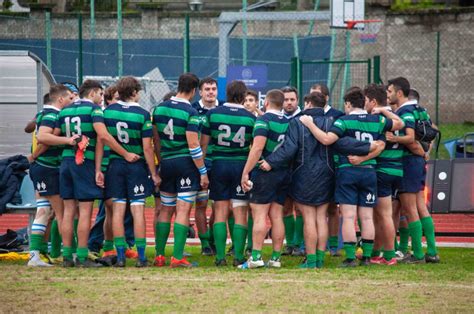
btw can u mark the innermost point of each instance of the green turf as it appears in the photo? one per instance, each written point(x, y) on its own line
point(445, 287)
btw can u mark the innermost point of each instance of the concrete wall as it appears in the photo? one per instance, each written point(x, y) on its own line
point(406, 43)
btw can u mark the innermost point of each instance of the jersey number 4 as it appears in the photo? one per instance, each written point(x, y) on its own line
point(223, 139)
point(168, 130)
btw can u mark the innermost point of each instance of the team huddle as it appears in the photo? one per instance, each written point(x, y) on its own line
point(256, 166)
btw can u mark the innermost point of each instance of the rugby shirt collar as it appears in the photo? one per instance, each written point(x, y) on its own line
point(204, 107)
point(298, 110)
point(327, 108)
point(410, 102)
point(274, 111)
point(174, 98)
point(51, 107)
point(129, 103)
point(86, 100)
point(358, 111)
point(229, 104)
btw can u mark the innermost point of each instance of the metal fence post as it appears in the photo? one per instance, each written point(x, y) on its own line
point(377, 79)
point(119, 38)
point(369, 71)
point(47, 16)
point(79, 21)
point(186, 51)
point(244, 37)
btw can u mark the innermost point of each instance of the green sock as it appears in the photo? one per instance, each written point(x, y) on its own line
point(299, 237)
point(220, 238)
point(35, 242)
point(416, 233)
point(367, 248)
point(108, 245)
point(74, 236)
point(180, 235)
point(350, 248)
point(249, 233)
point(119, 242)
point(429, 231)
point(388, 254)
point(162, 237)
point(204, 239)
point(333, 242)
point(276, 255)
point(320, 256)
point(395, 244)
point(44, 247)
point(231, 223)
point(404, 235)
point(67, 252)
point(311, 259)
point(256, 254)
point(240, 234)
point(55, 240)
point(82, 253)
point(211, 235)
point(375, 253)
point(289, 222)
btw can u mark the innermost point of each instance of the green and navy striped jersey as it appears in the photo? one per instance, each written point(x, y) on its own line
point(128, 123)
point(273, 126)
point(202, 112)
point(363, 127)
point(407, 113)
point(48, 117)
point(173, 118)
point(230, 128)
point(79, 118)
point(390, 160)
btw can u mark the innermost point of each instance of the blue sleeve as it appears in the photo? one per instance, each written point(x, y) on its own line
point(350, 146)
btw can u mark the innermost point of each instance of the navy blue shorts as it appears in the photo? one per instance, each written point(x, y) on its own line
point(179, 175)
point(45, 179)
point(78, 181)
point(387, 185)
point(356, 186)
point(225, 181)
point(414, 174)
point(269, 187)
point(127, 180)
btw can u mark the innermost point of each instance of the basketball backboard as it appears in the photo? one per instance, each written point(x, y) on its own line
point(346, 10)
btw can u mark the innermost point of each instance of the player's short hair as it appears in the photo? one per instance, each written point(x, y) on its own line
point(322, 88)
point(377, 92)
point(355, 97)
point(56, 91)
point(126, 86)
point(251, 92)
point(290, 89)
point(207, 80)
point(414, 95)
point(400, 83)
point(187, 82)
point(88, 86)
point(316, 99)
point(46, 99)
point(168, 95)
point(109, 93)
point(276, 98)
point(235, 92)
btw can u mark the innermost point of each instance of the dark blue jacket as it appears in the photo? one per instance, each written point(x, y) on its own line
point(312, 174)
point(12, 171)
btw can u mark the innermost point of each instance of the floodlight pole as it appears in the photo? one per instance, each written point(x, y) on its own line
point(244, 35)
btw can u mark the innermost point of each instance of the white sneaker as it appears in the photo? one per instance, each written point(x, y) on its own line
point(399, 255)
point(35, 260)
point(274, 263)
point(251, 264)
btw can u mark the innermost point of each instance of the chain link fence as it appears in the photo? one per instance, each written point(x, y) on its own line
point(436, 58)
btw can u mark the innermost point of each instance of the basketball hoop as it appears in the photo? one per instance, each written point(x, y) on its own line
point(368, 29)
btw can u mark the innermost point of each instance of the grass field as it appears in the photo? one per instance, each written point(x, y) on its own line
point(445, 287)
